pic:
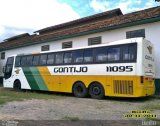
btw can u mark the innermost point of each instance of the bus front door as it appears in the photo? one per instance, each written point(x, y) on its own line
point(8, 67)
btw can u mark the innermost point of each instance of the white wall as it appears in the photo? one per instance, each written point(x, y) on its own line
point(152, 31)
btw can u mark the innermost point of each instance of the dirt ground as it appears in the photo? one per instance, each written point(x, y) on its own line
point(74, 109)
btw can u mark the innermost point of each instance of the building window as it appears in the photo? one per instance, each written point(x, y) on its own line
point(45, 48)
point(67, 45)
point(2, 55)
point(94, 41)
point(135, 33)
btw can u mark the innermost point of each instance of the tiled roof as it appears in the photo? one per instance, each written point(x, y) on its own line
point(17, 37)
point(67, 30)
point(92, 18)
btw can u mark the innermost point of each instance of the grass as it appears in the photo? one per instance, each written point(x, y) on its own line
point(71, 118)
point(151, 103)
point(8, 95)
point(152, 106)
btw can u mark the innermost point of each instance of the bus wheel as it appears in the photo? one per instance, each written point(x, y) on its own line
point(96, 90)
point(79, 90)
point(17, 85)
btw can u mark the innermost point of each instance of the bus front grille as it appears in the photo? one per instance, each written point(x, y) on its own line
point(123, 87)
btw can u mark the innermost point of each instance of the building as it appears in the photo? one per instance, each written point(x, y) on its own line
point(96, 29)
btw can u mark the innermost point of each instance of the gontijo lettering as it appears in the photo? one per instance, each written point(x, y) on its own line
point(70, 69)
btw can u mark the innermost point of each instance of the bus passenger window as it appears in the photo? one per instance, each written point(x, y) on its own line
point(128, 53)
point(113, 54)
point(35, 60)
point(125, 53)
point(78, 56)
point(132, 52)
point(23, 61)
point(67, 57)
point(43, 59)
point(88, 56)
point(100, 54)
point(59, 58)
point(50, 59)
point(29, 60)
point(18, 61)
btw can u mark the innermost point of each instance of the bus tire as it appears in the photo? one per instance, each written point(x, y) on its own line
point(80, 90)
point(17, 85)
point(96, 90)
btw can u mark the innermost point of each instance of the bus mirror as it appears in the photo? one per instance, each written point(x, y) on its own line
point(3, 69)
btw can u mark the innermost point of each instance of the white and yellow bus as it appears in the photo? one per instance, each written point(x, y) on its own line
point(122, 68)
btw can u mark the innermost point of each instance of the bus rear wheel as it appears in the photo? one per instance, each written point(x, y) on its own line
point(96, 90)
point(80, 90)
point(17, 85)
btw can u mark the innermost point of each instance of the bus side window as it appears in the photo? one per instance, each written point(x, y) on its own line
point(35, 60)
point(129, 53)
point(18, 61)
point(125, 53)
point(132, 52)
point(67, 57)
point(50, 59)
point(59, 58)
point(43, 59)
point(113, 54)
point(101, 54)
point(78, 56)
point(29, 60)
point(24, 61)
point(88, 55)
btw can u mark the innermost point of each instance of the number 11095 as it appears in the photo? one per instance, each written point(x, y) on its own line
point(119, 68)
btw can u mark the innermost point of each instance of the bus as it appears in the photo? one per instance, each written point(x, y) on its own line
point(123, 68)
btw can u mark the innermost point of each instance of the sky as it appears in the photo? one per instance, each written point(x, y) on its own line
point(26, 16)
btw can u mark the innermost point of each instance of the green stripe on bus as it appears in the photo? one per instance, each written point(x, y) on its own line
point(39, 80)
point(31, 80)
